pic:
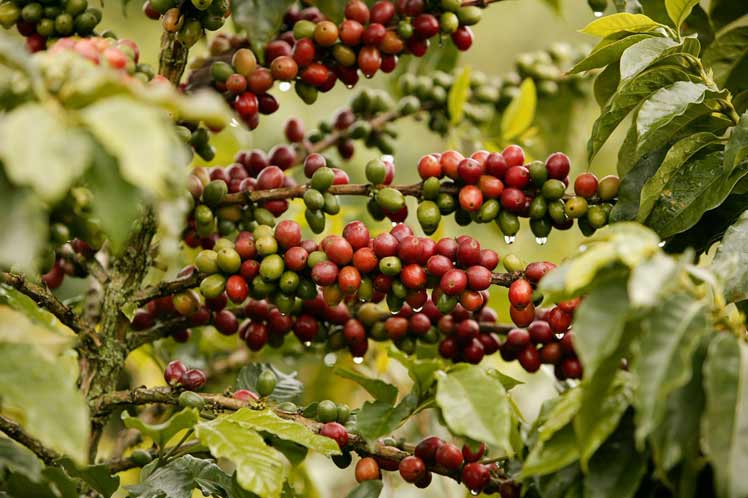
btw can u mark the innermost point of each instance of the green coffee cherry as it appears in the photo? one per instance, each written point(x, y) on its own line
point(288, 407)
point(264, 217)
point(206, 261)
point(541, 227)
point(376, 171)
point(585, 227)
point(315, 219)
point(576, 207)
point(313, 199)
point(229, 260)
point(538, 172)
point(9, 14)
point(430, 188)
point(332, 205)
point(271, 267)
point(408, 105)
point(322, 179)
point(390, 199)
point(470, 15)
point(141, 457)
point(344, 413)
point(220, 71)
point(553, 189)
point(608, 187)
point(213, 286)
point(597, 216)
point(307, 93)
point(557, 211)
point(428, 215)
point(538, 208)
point(316, 257)
point(375, 210)
point(327, 411)
point(303, 29)
point(266, 245)
point(488, 211)
point(390, 266)
point(508, 223)
point(446, 203)
point(446, 304)
point(214, 192)
point(449, 22)
point(188, 399)
point(513, 263)
point(266, 383)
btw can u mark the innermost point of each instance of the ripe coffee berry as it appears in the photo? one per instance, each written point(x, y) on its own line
point(475, 476)
point(335, 431)
point(367, 469)
point(558, 165)
point(426, 449)
point(449, 456)
point(173, 372)
point(412, 469)
point(193, 379)
point(585, 185)
point(473, 456)
point(520, 293)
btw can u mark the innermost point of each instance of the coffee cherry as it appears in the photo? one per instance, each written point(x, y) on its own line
point(475, 476)
point(193, 379)
point(266, 383)
point(369, 60)
point(517, 177)
point(142, 320)
point(520, 293)
point(572, 368)
point(245, 395)
point(367, 469)
point(326, 33)
point(425, 26)
point(522, 317)
point(559, 320)
point(558, 165)
point(514, 155)
point(174, 372)
point(358, 11)
point(463, 38)
point(585, 185)
point(412, 469)
point(608, 187)
point(284, 68)
point(335, 431)
point(244, 62)
point(449, 456)
point(471, 456)
point(529, 358)
point(453, 282)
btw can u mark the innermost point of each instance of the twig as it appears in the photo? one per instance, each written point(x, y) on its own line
point(159, 331)
point(166, 288)
point(43, 297)
point(85, 265)
point(15, 432)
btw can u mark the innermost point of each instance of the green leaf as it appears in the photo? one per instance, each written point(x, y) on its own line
point(616, 469)
point(606, 84)
point(607, 52)
point(381, 390)
point(695, 188)
point(615, 23)
point(39, 316)
point(668, 110)
point(377, 418)
point(725, 421)
point(631, 93)
point(421, 371)
point(259, 468)
point(96, 476)
point(676, 157)
point(261, 20)
point(679, 438)
point(25, 229)
point(651, 279)
point(731, 260)
point(179, 477)
point(736, 150)
point(40, 149)
point(116, 203)
point(520, 112)
point(506, 380)
point(655, 51)
point(288, 387)
point(561, 414)
point(458, 96)
point(39, 387)
point(627, 205)
point(679, 10)
point(333, 9)
point(670, 335)
point(267, 421)
point(19, 459)
point(726, 53)
point(558, 484)
point(143, 140)
point(163, 432)
point(552, 455)
point(367, 489)
point(474, 404)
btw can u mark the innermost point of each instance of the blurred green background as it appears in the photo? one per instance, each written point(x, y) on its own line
point(508, 29)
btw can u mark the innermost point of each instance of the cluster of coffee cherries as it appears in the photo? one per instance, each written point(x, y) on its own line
point(314, 52)
point(38, 21)
point(499, 187)
point(252, 170)
point(490, 95)
point(189, 20)
point(190, 379)
point(122, 55)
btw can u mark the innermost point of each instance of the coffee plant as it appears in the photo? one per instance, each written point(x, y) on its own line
point(185, 312)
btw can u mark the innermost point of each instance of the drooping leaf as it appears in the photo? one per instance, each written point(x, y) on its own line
point(676, 157)
point(626, 98)
point(670, 334)
point(259, 468)
point(552, 455)
point(606, 84)
point(377, 388)
point(367, 489)
point(651, 279)
point(561, 414)
point(142, 139)
point(377, 418)
point(24, 304)
point(616, 468)
point(96, 476)
point(261, 20)
point(17, 458)
point(474, 404)
point(288, 387)
point(726, 53)
point(40, 149)
point(421, 371)
point(38, 387)
point(520, 113)
point(627, 205)
point(668, 110)
point(725, 421)
point(267, 421)
point(163, 432)
point(731, 260)
point(679, 10)
point(695, 188)
point(607, 52)
point(458, 96)
point(560, 483)
point(736, 150)
point(614, 23)
point(179, 477)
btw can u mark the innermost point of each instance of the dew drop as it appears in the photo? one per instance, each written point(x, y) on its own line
point(582, 248)
point(474, 492)
point(358, 360)
point(284, 86)
point(368, 76)
point(234, 123)
point(307, 343)
point(541, 241)
point(330, 359)
point(661, 244)
point(394, 312)
point(509, 239)
point(349, 86)
point(394, 224)
point(388, 158)
point(597, 13)
point(418, 309)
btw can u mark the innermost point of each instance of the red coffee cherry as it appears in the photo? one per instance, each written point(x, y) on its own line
point(358, 11)
point(425, 26)
point(514, 155)
point(284, 68)
point(412, 469)
point(314, 74)
point(142, 320)
point(558, 165)
point(471, 198)
point(335, 431)
point(453, 282)
point(551, 353)
point(559, 320)
point(369, 61)
point(236, 288)
point(517, 177)
point(540, 332)
point(463, 38)
point(306, 328)
point(585, 185)
point(428, 166)
point(173, 372)
point(367, 469)
point(246, 104)
point(193, 379)
point(529, 358)
point(522, 317)
point(473, 456)
point(356, 234)
point(349, 280)
point(351, 32)
point(338, 249)
point(572, 368)
point(449, 456)
point(520, 293)
point(476, 476)
point(513, 199)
